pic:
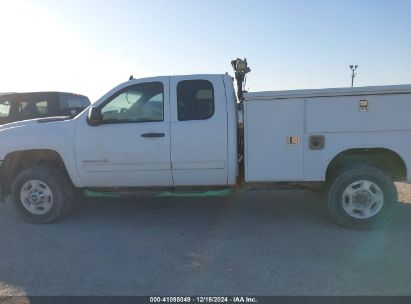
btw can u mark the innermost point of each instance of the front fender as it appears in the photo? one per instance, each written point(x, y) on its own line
point(55, 136)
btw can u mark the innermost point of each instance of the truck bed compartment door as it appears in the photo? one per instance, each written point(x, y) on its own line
point(274, 140)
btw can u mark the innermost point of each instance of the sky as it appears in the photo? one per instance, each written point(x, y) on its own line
point(89, 47)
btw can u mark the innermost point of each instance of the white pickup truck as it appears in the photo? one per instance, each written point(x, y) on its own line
point(184, 134)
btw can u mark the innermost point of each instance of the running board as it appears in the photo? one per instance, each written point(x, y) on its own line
point(131, 194)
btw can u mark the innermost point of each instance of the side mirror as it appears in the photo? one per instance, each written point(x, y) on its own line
point(94, 116)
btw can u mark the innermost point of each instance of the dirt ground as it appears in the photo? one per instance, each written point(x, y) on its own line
point(252, 243)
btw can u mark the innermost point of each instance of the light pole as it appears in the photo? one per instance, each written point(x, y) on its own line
point(353, 68)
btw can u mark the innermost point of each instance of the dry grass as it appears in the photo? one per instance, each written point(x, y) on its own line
point(404, 192)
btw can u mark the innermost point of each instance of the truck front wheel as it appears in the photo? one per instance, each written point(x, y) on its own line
point(361, 197)
point(41, 194)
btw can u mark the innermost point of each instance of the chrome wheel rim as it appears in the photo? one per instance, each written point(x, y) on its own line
point(36, 197)
point(362, 199)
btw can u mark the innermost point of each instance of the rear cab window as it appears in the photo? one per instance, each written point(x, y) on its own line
point(195, 100)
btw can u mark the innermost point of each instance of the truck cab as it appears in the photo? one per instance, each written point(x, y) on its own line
point(162, 131)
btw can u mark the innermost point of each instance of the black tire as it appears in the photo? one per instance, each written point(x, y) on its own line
point(59, 185)
point(349, 176)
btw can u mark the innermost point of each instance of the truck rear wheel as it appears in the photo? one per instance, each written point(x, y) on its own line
point(42, 194)
point(361, 197)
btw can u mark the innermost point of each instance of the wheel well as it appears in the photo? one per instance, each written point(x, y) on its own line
point(15, 162)
point(384, 159)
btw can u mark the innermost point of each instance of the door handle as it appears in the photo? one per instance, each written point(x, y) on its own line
point(152, 135)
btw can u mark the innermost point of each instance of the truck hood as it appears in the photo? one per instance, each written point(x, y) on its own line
point(33, 122)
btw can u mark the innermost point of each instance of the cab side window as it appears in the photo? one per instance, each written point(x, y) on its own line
point(41, 108)
point(195, 100)
point(32, 109)
point(5, 108)
point(142, 102)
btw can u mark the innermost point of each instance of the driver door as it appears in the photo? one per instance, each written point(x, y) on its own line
point(131, 145)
